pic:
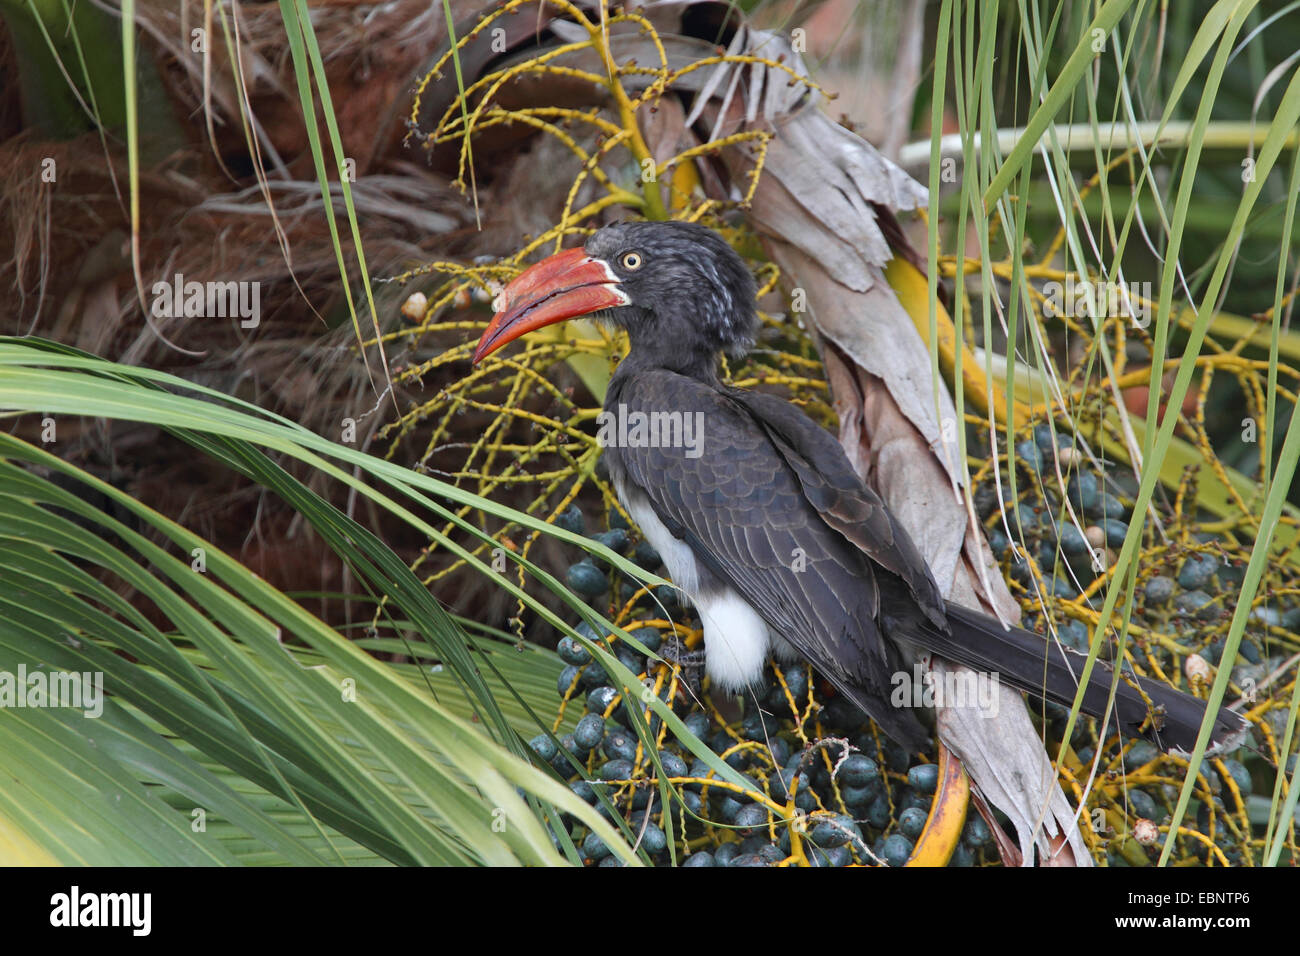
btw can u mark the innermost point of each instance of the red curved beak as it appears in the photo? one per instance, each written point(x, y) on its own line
point(564, 286)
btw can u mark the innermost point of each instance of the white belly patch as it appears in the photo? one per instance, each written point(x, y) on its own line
point(736, 640)
point(676, 554)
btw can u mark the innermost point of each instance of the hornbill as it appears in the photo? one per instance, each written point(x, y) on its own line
point(762, 521)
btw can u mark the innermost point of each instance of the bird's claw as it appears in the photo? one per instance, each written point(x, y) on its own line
point(691, 663)
point(674, 651)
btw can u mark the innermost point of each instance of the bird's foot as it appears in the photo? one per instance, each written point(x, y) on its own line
point(675, 651)
point(677, 654)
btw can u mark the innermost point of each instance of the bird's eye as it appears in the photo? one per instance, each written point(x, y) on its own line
point(632, 260)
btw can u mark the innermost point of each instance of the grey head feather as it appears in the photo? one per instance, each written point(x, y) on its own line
point(690, 279)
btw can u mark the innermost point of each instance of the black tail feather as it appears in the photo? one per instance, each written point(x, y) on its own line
point(1041, 668)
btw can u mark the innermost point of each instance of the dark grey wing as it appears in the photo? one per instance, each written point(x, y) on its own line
point(842, 499)
point(741, 506)
point(1021, 658)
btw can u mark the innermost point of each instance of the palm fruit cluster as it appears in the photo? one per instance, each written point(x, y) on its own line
point(835, 791)
point(1188, 582)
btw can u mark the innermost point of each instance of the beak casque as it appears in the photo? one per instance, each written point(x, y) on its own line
point(566, 285)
